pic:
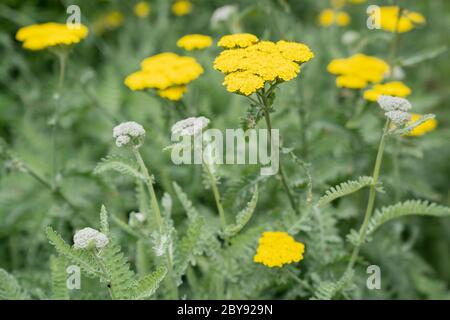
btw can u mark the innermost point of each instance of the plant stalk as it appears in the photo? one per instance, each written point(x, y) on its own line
point(372, 197)
point(281, 174)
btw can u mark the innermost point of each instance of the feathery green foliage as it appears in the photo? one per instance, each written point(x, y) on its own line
point(344, 189)
point(59, 276)
point(10, 289)
point(119, 164)
point(407, 208)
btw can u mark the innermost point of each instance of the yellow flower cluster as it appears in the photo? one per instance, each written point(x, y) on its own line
point(239, 40)
point(194, 42)
point(181, 7)
point(278, 248)
point(249, 64)
point(425, 127)
point(329, 17)
point(142, 9)
point(358, 70)
point(393, 88)
point(167, 73)
point(389, 19)
point(45, 35)
point(110, 21)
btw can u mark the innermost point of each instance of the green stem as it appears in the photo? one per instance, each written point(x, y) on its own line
point(62, 58)
point(372, 197)
point(155, 208)
point(149, 183)
point(216, 193)
point(103, 268)
point(281, 174)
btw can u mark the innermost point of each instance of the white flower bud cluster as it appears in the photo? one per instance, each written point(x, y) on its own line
point(125, 132)
point(87, 237)
point(190, 126)
point(396, 109)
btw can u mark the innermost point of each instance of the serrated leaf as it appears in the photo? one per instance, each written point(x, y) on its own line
point(59, 278)
point(147, 286)
point(244, 216)
point(120, 165)
point(407, 208)
point(10, 289)
point(81, 258)
point(104, 224)
point(191, 212)
point(344, 189)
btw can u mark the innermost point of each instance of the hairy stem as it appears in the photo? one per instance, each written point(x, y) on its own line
point(216, 193)
point(372, 197)
point(103, 268)
point(155, 208)
point(266, 107)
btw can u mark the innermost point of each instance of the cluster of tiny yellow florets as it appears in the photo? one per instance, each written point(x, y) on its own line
point(393, 88)
point(181, 7)
point(358, 70)
point(194, 42)
point(248, 64)
point(389, 19)
point(168, 73)
point(278, 248)
point(45, 35)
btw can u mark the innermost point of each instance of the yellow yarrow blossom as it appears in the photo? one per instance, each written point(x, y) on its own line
point(278, 248)
point(351, 82)
point(394, 88)
point(238, 40)
point(425, 127)
point(45, 35)
point(113, 20)
point(358, 69)
point(166, 72)
point(389, 19)
point(181, 8)
point(194, 42)
point(142, 9)
point(173, 93)
point(249, 66)
point(329, 17)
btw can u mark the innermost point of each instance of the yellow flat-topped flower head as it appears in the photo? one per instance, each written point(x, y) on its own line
point(358, 70)
point(351, 82)
point(194, 42)
point(142, 9)
point(393, 88)
point(181, 7)
point(168, 73)
point(422, 129)
point(248, 64)
point(46, 35)
point(277, 249)
point(389, 19)
point(239, 40)
point(329, 17)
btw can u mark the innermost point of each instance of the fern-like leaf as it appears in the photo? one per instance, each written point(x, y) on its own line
point(329, 289)
point(81, 258)
point(119, 276)
point(244, 216)
point(344, 189)
point(147, 286)
point(59, 277)
point(407, 208)
point(190, 245)
point(191, 212)
point(104, 224)
point(10, 289)
point(119, 164)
